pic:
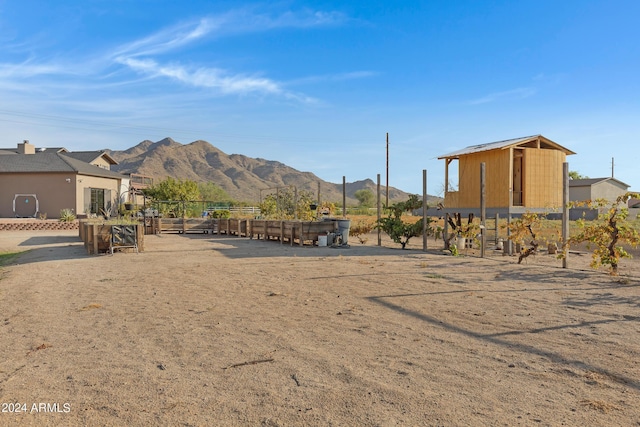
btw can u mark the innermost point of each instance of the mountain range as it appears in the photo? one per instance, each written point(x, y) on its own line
point(240, 176)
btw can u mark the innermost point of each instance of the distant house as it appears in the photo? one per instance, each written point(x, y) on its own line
point(597, 188)
point(522, 173)
point(45, 181)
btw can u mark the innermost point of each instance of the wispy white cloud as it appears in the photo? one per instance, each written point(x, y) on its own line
point(72, 73)
point(28, 69)
point(230, 23)
point(142, 56)
point(353, 75)
point(519, 93)
point(167, 39)
point(204, 77)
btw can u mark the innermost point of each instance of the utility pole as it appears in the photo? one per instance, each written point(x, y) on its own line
point(612, 164)
point(387, 169)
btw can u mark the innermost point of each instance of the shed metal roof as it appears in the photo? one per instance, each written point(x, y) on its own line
point(501, 145)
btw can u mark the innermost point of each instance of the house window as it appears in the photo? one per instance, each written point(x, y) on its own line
point(97, 200)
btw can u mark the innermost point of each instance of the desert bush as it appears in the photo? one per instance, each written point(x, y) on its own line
point(67, 215)
point(360, 228)
point(398, 230)
point(222, 214)
point(605, 234)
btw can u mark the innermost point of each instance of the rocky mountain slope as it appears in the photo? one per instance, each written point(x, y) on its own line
point(240, 176)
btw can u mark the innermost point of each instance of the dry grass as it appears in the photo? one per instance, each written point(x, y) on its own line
point(599, 405)
point(91, 306)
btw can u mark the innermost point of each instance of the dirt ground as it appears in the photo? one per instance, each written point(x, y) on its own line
point(203, 330)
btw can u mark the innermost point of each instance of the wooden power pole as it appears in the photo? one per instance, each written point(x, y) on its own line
point(387, 169)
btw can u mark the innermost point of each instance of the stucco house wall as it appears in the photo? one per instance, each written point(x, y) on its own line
point(85, 183)
point(52, 190)
point(596, 188)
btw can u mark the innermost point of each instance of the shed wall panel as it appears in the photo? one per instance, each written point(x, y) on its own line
point(497, 179)
point(543, 178)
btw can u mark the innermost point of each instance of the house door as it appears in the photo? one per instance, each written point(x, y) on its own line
point(517, 178)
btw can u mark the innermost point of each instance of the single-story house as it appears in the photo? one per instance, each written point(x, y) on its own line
point(596, 188)
point(43, 181)
point(525, 173)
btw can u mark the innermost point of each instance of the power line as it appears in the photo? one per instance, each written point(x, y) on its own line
point(76, 123)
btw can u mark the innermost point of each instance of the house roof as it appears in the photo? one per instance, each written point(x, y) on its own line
point(591, 181)
point(527, 141)
point(90, 156)
point(51, 161)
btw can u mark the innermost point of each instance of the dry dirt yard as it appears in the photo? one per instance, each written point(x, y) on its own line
point(203, 330)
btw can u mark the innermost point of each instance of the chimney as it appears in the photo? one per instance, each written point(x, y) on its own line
point(26, 148)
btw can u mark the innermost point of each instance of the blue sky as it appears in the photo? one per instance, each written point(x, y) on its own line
point(318, 84)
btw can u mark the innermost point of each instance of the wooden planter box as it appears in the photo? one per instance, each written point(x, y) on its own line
point(232, 226)
point(97, 236)
point(185, 225)
point(290, 230)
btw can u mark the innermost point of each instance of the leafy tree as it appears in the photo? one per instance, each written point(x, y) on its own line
point(608, 231)
point(365, 197)
point(212, 192)
point(175, 190)
point(282, 205)
point(576, 175)
point(400, 231)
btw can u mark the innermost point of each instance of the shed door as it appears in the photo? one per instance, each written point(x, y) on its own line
point(518, 198)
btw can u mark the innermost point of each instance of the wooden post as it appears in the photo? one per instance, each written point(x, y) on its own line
point(497, 227)
point(379, 213)
point(295, 202)
point(94, 232)
point(319, 203)
point(509, 242)
point(184, 218)
point(424, 210)
point(483, 208)
point(387, 169)
point(445, 231)
point(344, 197)
point(282, 232)
point(565, 214)
point(301, 238)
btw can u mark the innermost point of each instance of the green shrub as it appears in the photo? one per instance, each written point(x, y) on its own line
point(67, 215)
point(222, 214)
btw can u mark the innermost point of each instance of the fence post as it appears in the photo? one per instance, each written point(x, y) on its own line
point(565, 214)
point(483, 209)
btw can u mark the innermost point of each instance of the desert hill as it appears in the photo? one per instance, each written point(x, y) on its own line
point(240, 176)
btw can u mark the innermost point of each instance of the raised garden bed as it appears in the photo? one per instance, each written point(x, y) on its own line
point(302, 231)
point(231, 226)
point(97, 236)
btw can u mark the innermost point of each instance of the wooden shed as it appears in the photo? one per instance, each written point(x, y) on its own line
point(522, 172)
